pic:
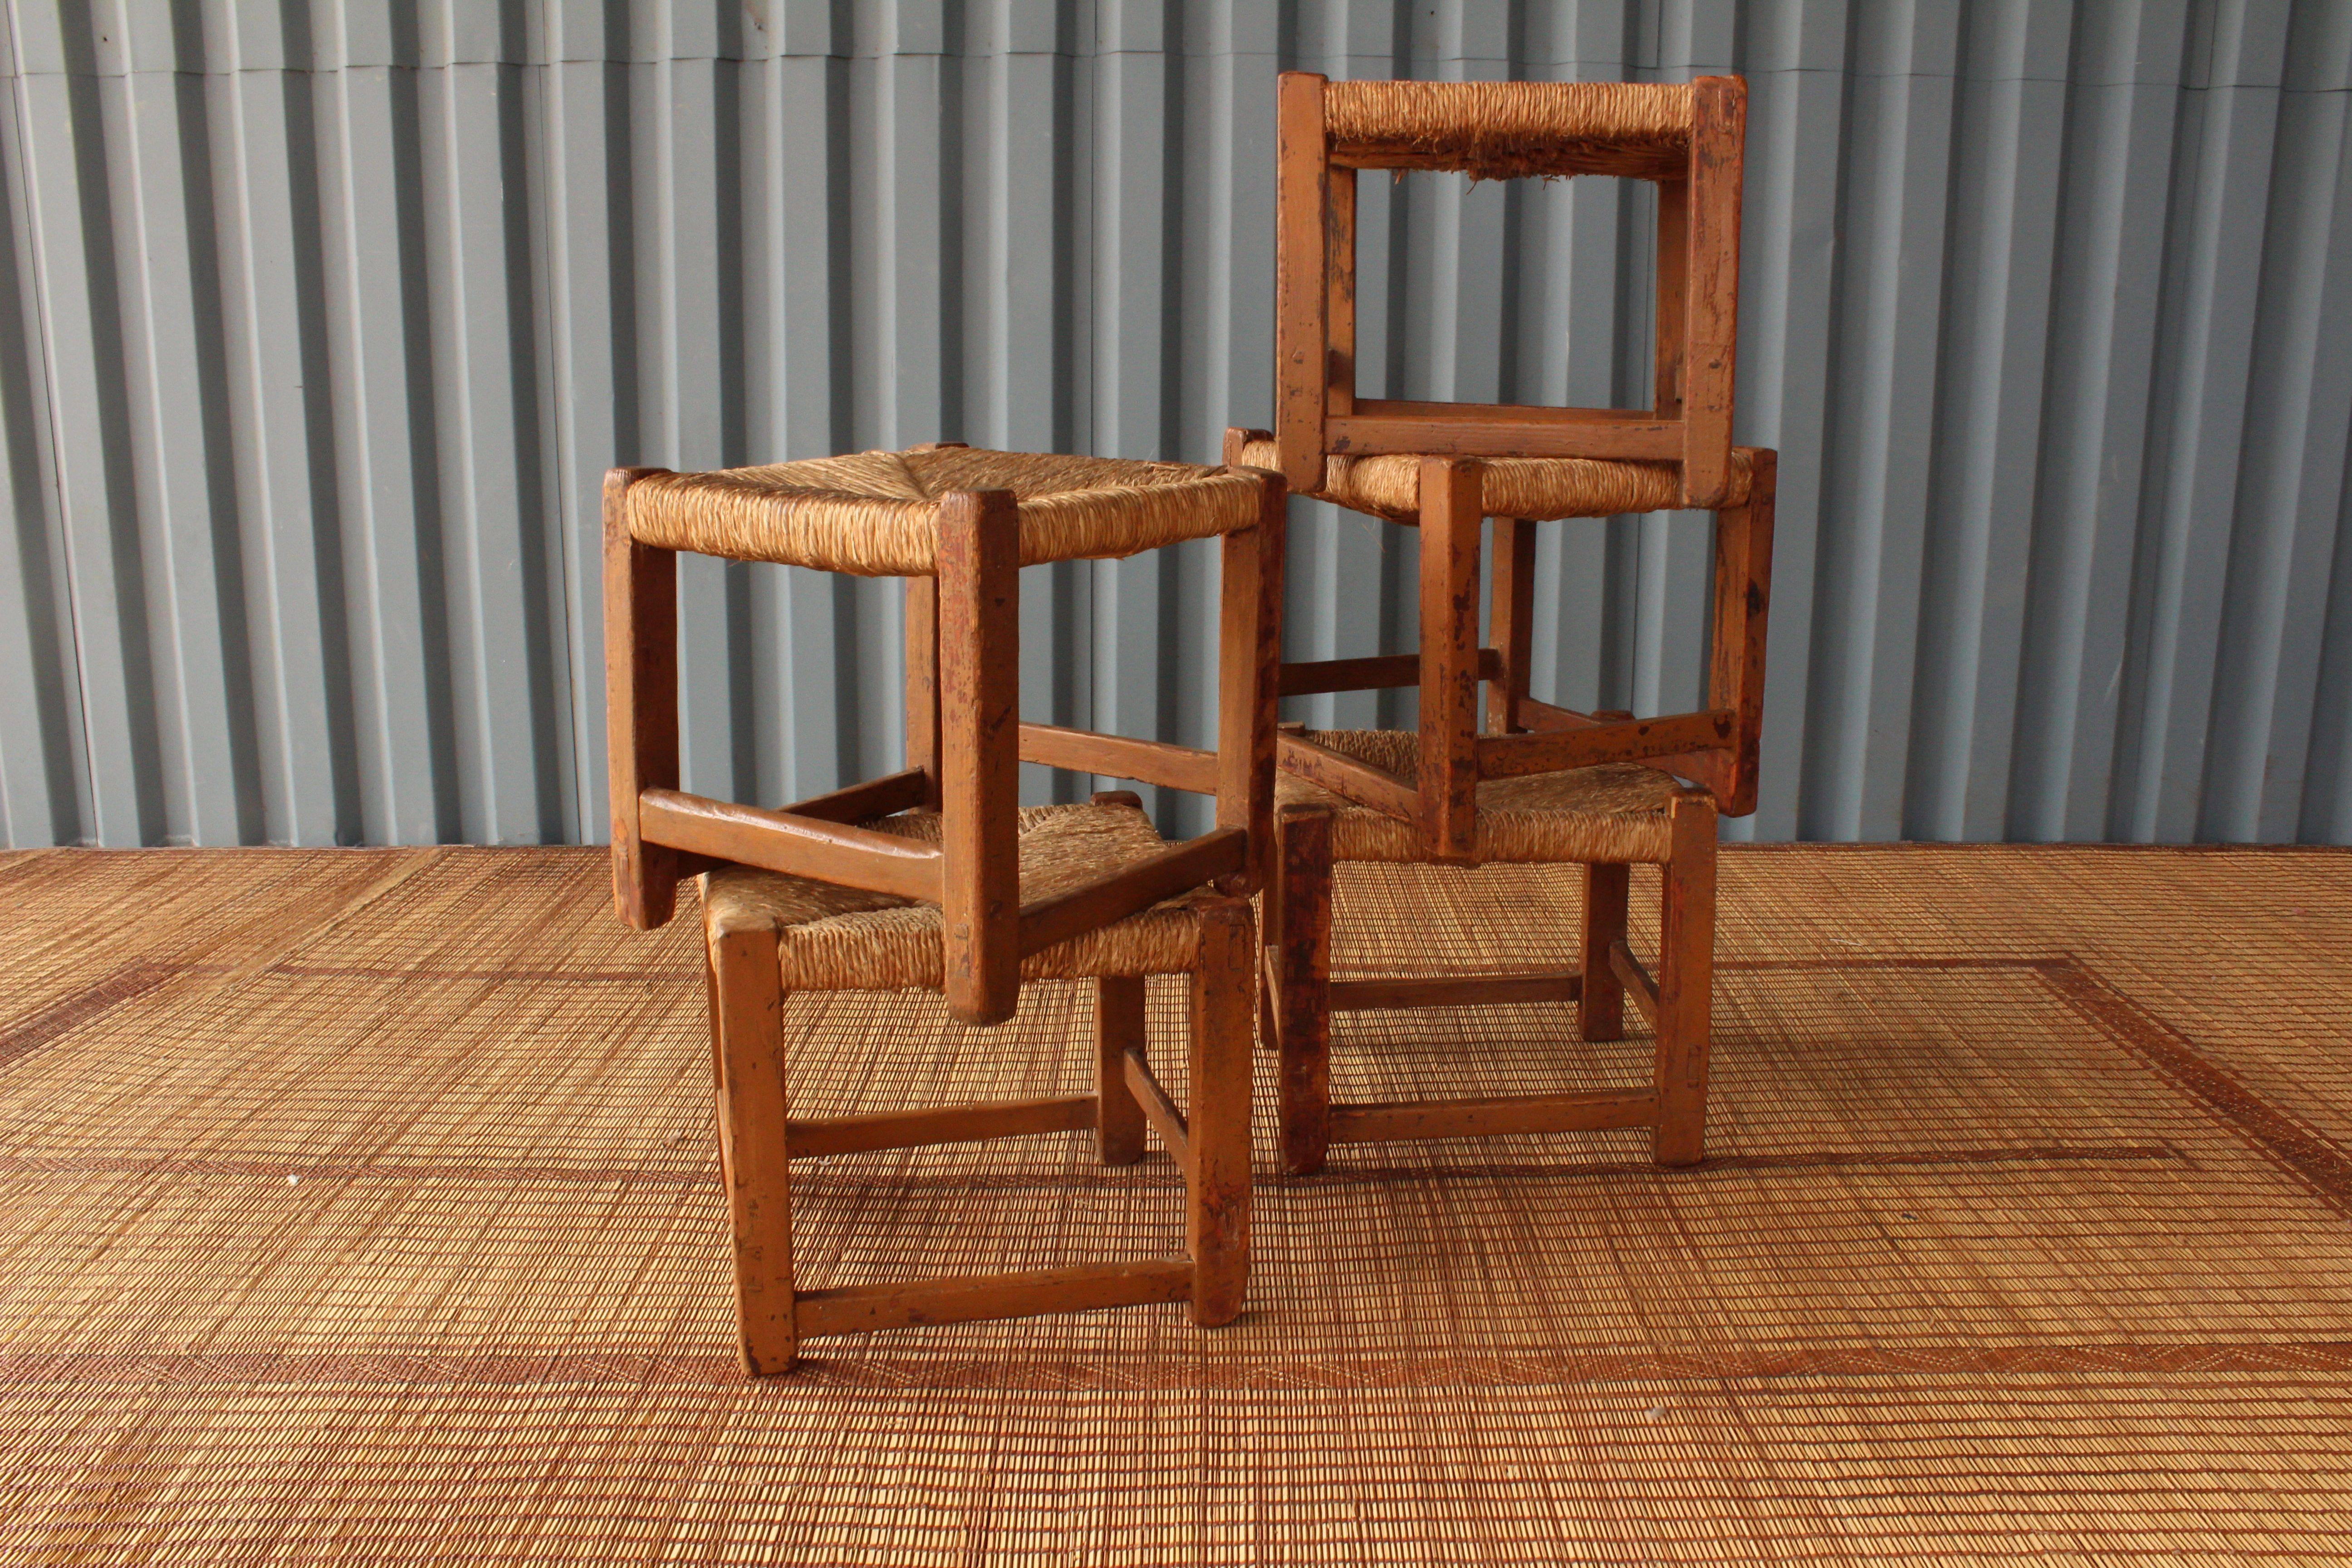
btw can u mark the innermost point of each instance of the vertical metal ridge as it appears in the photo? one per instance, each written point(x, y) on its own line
point(320, 321)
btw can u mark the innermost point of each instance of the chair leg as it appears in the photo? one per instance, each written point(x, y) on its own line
point(1303, 1004)
point(1685, 982)
point(1511, 621)
point(979, 604)
point(1601, 1000)
point(1118, 1027)
point(922, 616)
point(640, 704)
point(1217, 1214)
point(1249, 681)
point(1453, 496)
point(718, 1043)
point(752, 1153)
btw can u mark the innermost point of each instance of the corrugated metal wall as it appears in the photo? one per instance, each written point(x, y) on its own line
point(322, 319)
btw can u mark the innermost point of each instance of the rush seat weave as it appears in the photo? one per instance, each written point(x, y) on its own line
point(877, 514)
point(1539, 490)
point(1615, 812)
point(1505, 130)
point(832, 938)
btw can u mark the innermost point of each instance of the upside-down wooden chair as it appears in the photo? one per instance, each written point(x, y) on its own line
point(933, 878)
point(1687, 138)
point(957, 524)
point(1544, 783)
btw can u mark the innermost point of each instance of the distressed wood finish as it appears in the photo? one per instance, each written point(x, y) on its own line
point(1221, 852)
point(922, 617)
point(1601, 1004)
point(913, 1303)
point(1377, 673)
point(1217, 1217)
point(1536, 714)
point(884, 796)
point(1711, 316)
point(1120, 1023)
point(1339, 308)
point(1743, 602)
point(754, 1147)
point(1639, 986)
point(1687, 981)
point(1249, 678)
point(1451, 497)
point(1160, 1109)
point(1390, 795)
point(833, 852)
point(1672, 339)
point(1118, 757)
point(973, 1123)
point(1302, 302)
point(1511, 622)
point(1301, 960)
point(979, 655)
point(1629, 741)
point(640, 704)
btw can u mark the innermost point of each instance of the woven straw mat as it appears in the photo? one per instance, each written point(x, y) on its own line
point(1537, 489)
point(362, 1207)
point(877, 514)
point(1612, 812)
point(843, 939)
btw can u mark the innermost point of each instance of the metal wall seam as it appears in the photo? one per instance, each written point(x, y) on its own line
point(321, 323)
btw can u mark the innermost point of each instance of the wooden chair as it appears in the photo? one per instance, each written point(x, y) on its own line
point(957, 524)
point(1687, 137)
point(1606, 818)
point(768, 935)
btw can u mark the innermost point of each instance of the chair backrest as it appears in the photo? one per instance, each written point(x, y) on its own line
point(1687, 137)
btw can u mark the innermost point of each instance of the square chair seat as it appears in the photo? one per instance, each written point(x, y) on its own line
point(1539, 490)
point(877, 514)
point(833, 938)
point(1611, 814)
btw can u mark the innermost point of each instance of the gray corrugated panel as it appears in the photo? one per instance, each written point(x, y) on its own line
point(319, 322)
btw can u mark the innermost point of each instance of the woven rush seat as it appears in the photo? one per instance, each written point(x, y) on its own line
point(1506, 130)
point(1539, 490)
point(832, 938)
point(1614, 813)
point(877, 514)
